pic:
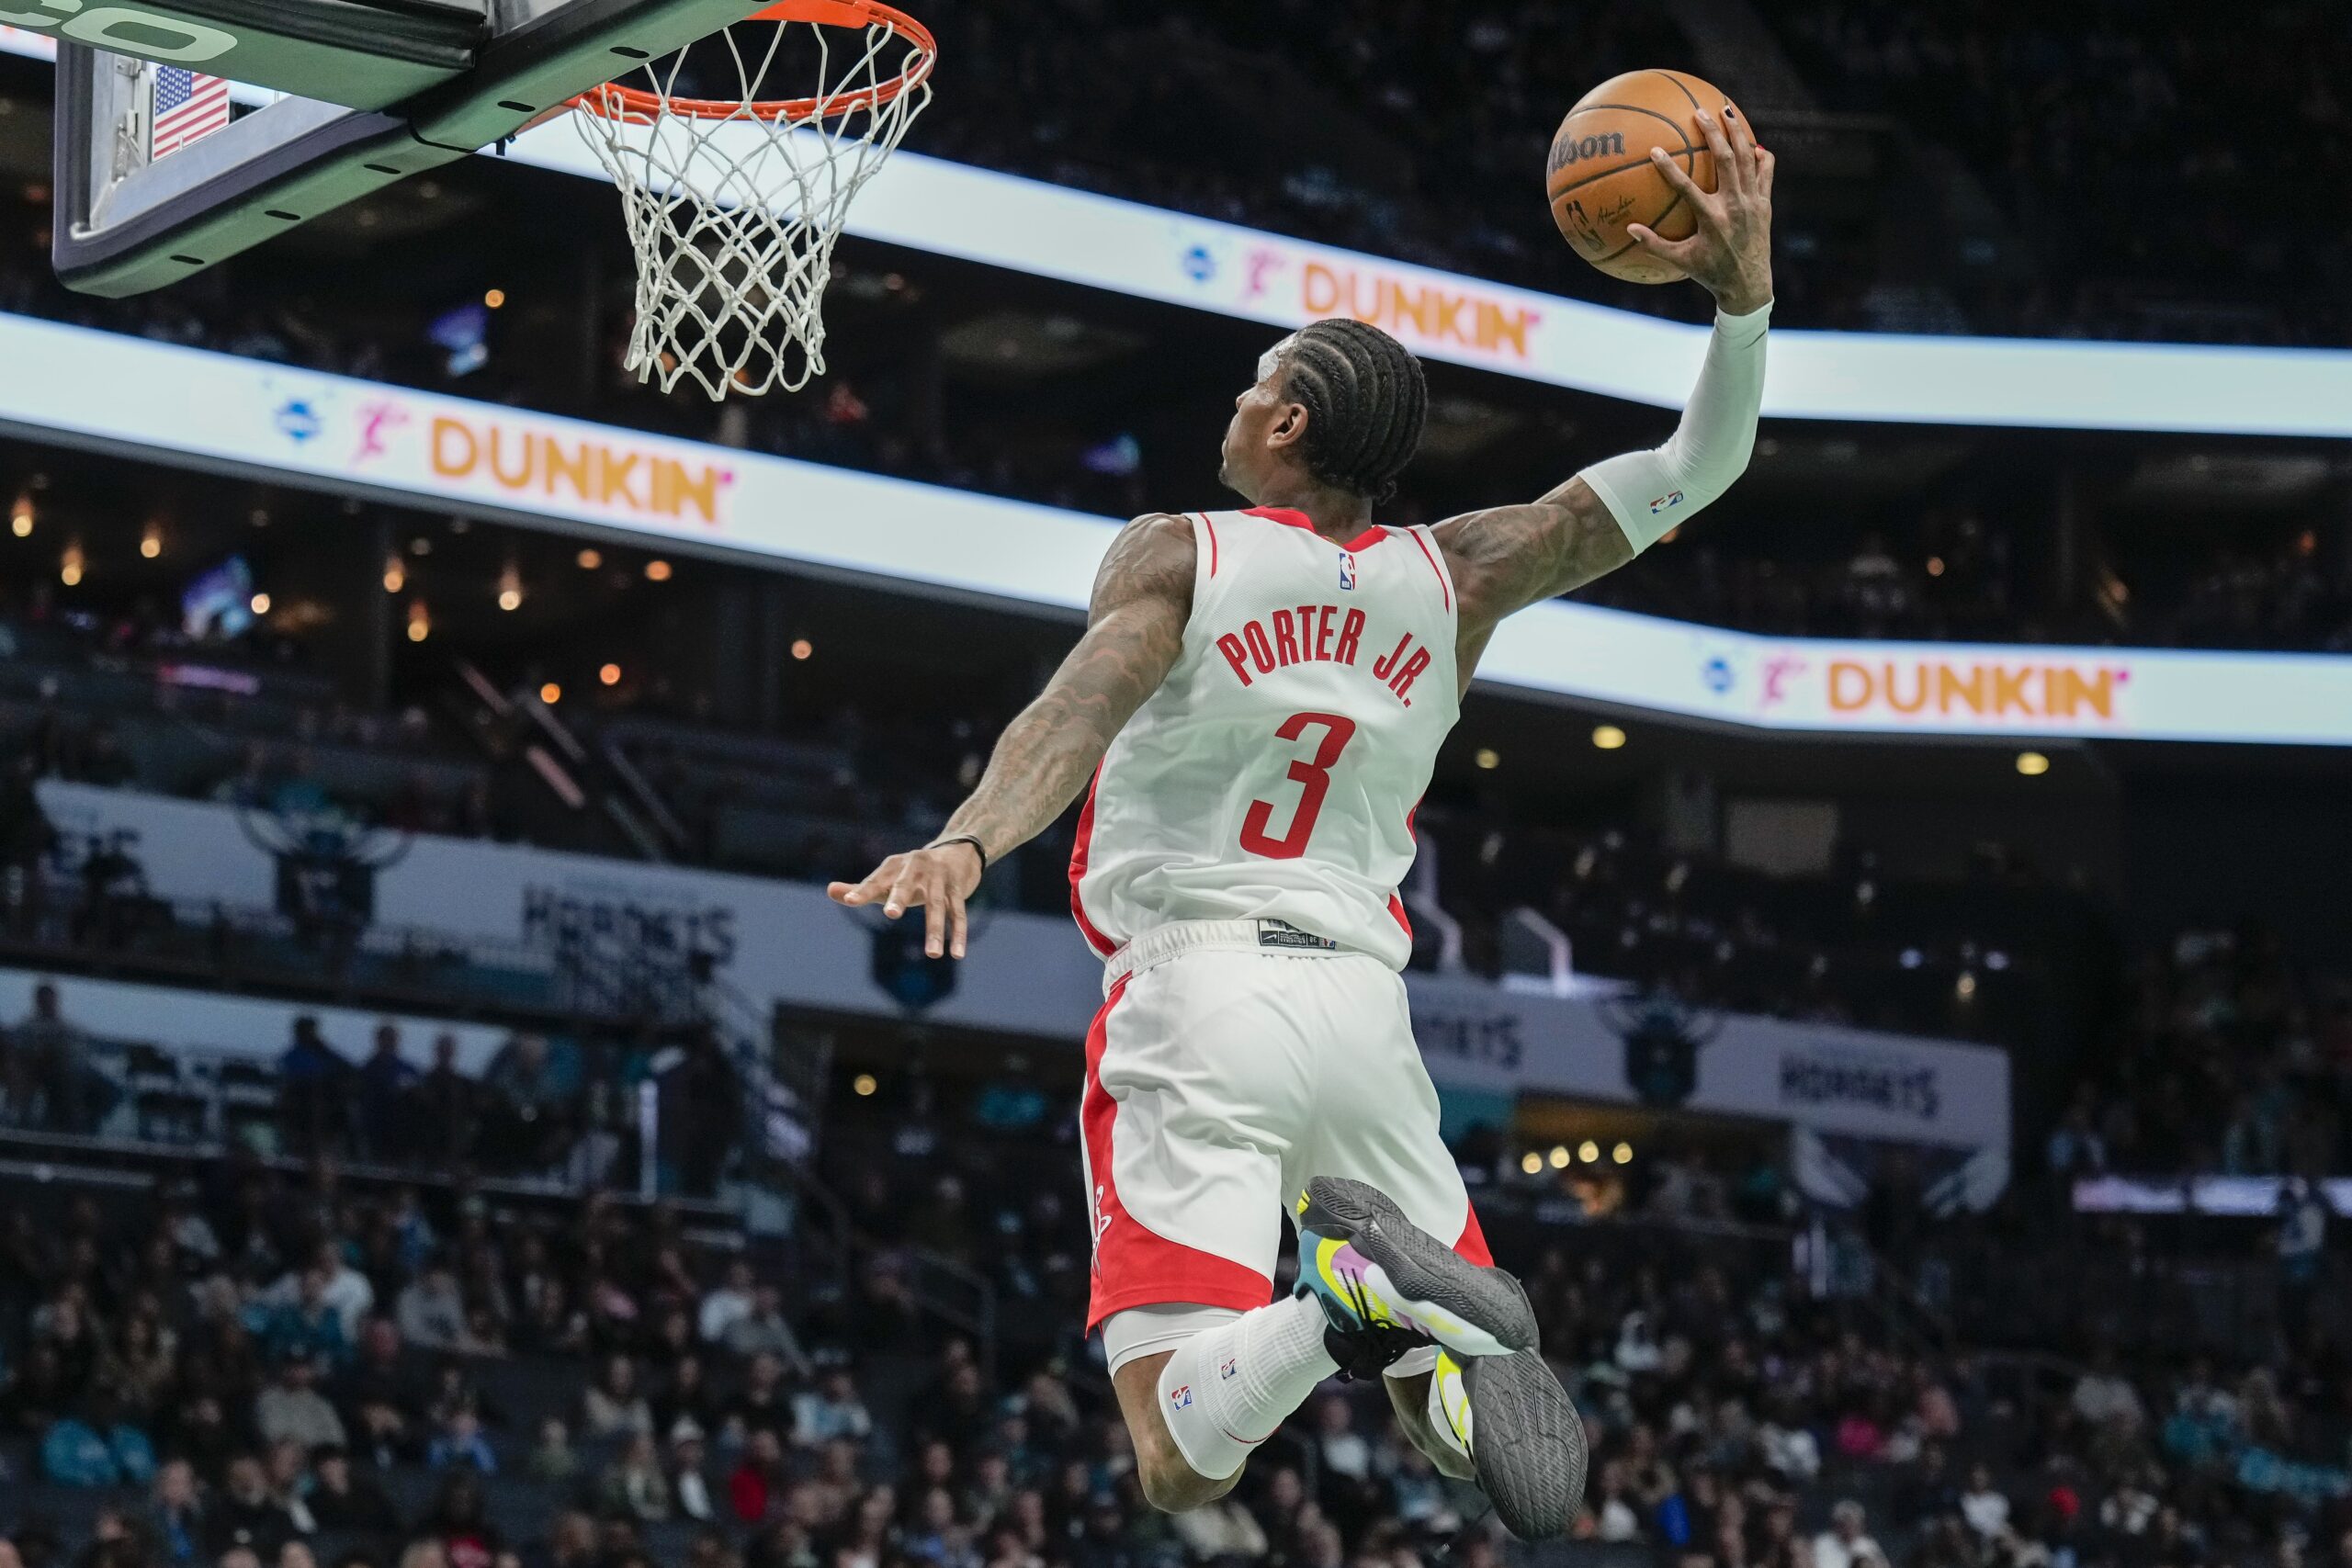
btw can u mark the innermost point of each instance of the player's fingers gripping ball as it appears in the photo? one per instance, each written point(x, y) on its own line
point(1600, 178)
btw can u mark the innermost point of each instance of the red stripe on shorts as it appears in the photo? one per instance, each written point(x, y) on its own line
point(1134, 1267)
point(1472, 1243)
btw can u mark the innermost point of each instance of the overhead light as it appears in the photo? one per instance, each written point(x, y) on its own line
point(1935, 566)
point(151, 541)
point(590, 559)
point(863, 1085)
point(1588, 1151)
point(610, 674)
point(1965, 987)
point(802, 648)
point(1488, 757)
point(1622, 1154)
point(494, 298)
point(1608, 736)
point(510, 588)
point(395, 574)
point(420, 621)
point(69, 565)
point(260, 603)
point(20, 517)
point(657, 570)
point(2032, 764)
point(550, 694)
point(1532, 1163)
point(420, 546)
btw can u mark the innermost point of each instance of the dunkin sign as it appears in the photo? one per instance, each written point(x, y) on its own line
point(603, 470)
point(1426, 313)
point(1998, 690)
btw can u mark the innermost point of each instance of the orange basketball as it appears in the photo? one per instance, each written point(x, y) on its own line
point(1599, 177)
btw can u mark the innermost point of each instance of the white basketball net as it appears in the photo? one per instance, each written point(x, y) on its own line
point(734, 217)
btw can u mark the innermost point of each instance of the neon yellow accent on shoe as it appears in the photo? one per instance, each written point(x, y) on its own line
point(1449, 1397)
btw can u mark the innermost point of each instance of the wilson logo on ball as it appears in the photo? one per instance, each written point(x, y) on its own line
point(1570, 150)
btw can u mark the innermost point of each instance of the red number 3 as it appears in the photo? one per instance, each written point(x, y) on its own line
point(1314, 779)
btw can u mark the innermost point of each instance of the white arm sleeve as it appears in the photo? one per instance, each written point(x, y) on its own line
point(1651, 493)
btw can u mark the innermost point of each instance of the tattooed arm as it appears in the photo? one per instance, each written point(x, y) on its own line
point(1508, 558)
point(1135, 629)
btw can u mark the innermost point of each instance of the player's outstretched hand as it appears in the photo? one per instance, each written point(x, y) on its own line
point(1731, 252)
point(937, 879)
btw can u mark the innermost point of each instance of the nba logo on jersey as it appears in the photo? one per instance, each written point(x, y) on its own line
point(1226, 1368)
point(1181, 1398)
point(1347, 571)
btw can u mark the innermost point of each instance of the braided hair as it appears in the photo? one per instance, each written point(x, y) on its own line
point(1365, 400)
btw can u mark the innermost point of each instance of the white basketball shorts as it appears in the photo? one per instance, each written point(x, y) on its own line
point(1232, 1061)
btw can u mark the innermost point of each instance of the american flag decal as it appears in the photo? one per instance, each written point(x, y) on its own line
point(189, 106)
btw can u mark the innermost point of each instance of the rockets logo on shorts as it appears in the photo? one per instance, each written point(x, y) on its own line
point(1347, 573)
point(1180, 1398)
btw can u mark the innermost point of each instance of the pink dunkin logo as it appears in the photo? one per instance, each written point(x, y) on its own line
point(375, 420)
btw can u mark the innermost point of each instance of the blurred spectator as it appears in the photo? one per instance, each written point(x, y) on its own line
point(613, 1404)
point(380, 1096)
point(309, 1325)
point(533, 1090)
point(376, 1394)
point(727, 1302)
point(447, 1107)
point(346, 1501)
point(460, 1445)
point(314, 1090)
point(633, 1485)
point(552, 1457)
point(830, 1411)
point(1845, 1544)
point(459, 1525)
point(765, 1331)
point(292, 1409)
point(432, 1310)
point(689, 1481)
point(701, 1111)
point(246, 1515)
point(175, 1513)
point(50, 1066)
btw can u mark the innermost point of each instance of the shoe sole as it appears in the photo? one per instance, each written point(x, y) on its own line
point(1527, 1442)
point(1472, 1311)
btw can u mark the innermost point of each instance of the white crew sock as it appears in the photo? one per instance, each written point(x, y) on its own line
point(1225, 1389)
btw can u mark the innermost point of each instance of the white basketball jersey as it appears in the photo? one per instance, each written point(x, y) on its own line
point(1274, 773)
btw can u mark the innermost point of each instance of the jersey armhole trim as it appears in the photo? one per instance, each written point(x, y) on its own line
point(1211, 527)
point(1444, 584)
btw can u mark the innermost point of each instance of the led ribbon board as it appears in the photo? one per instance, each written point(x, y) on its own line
point(1049, 231)
point(121, 394)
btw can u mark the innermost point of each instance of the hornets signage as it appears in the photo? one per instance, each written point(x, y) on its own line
point(1662, 1042)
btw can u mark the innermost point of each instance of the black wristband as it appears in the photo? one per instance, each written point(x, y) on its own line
point(978, 848)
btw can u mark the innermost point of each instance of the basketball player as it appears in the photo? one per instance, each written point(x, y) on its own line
point(1260, 696)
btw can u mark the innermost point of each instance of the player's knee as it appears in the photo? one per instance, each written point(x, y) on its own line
point(1170, 1483)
